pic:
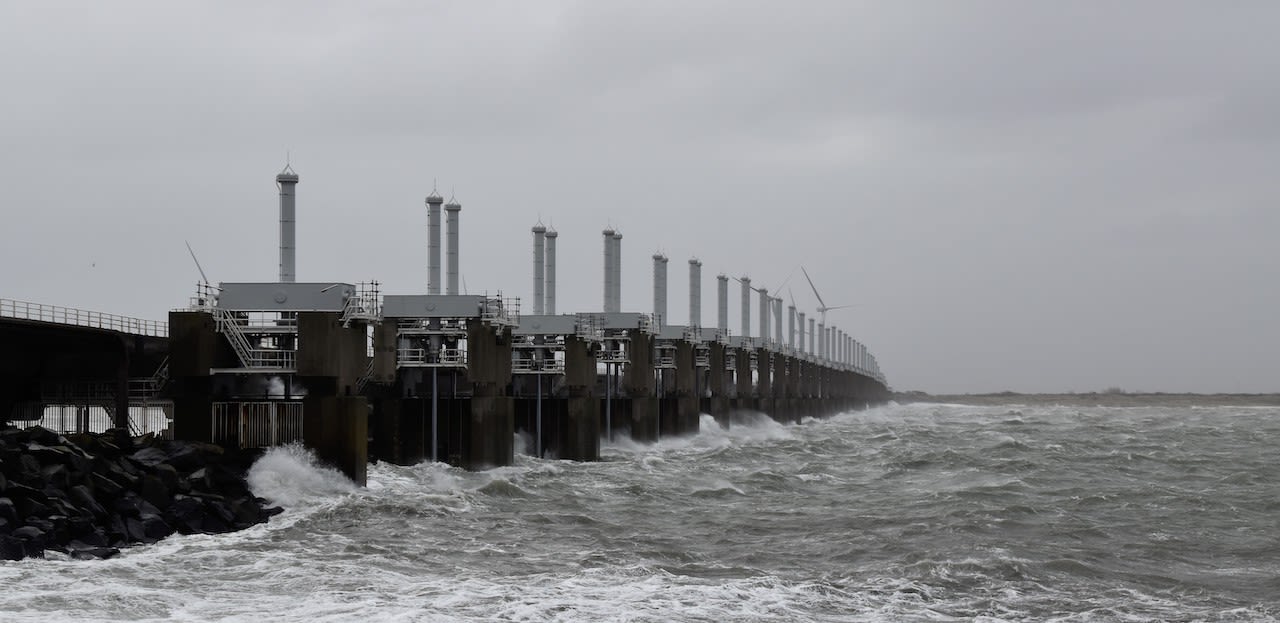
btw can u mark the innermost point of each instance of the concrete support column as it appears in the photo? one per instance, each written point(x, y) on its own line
point(582, 417)
point(487, 429)
point(717, 383)
point(640, 409)
point(764, 384)
point(746, 400)
point(336, 428)
point(781, 409)
point(687, 415)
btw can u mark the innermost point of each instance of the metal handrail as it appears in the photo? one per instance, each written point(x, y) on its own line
point(418, 357)
point(528, 366)
point(23, 310)
point(501, 311)
point(229, 325)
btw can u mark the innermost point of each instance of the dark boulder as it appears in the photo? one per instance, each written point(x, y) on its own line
point(168, 475)
point(12, 548)
point(137, 534)
point(44, 436)
point(82, 497)
point(8, 511)
point(155, 527)
point(32, 539)
point(57, 476)
point(190, 457)
point(154, 491)
point(29, 470)
point(186, 514)
point(120, 438)
point(105, 487)
point(149, 456)
point(80, 550)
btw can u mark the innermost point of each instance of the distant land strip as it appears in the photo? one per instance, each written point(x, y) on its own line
point(1109, 398)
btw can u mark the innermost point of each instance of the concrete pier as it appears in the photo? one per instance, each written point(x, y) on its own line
point(441, 378)
point(263, 364)
point(634, 405)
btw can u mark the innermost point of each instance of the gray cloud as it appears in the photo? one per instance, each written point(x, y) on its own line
point(1025, 196)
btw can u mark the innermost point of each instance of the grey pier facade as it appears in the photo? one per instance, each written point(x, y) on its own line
point(356, 374)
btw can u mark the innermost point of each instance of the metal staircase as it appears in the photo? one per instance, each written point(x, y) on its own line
point(264, 359)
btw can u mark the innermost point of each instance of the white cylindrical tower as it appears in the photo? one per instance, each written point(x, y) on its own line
point(287, 182)
point(764, 315)
point(660, 289)
point(791, 326)
point(539, 267)
point(617, 272)
point(550, 295)
point(813, 339)
point(722, 303)
point(434, 201)
point(608, 270)
point(777, 321)
point(822, 341)
point(800, 330)
point(452, 213)
point(746, 306)
point(695, 293)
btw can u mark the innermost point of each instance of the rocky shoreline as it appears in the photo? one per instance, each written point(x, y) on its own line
point(88, 495)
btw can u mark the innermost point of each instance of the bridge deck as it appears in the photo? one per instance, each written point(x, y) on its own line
point(54, 314)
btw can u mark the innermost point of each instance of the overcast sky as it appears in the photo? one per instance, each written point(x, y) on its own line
point(1031, 196)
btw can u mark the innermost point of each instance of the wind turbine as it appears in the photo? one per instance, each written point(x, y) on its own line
point(823, 308)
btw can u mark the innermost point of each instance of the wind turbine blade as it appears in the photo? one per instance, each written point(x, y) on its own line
point(840, 307)
point(784, 281)
point(193, 258)
point(821, 302)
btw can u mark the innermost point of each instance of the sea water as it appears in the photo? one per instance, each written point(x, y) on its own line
point(918, 512)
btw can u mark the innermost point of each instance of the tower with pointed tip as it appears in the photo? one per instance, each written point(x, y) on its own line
point(452, 211)
point(695, 292)
point(433, 241)
point(608, 269)
point(722, 303)
point(287, 182)
point(660, 289)
point(550, 306)
point(539, 267)
point(617, 272)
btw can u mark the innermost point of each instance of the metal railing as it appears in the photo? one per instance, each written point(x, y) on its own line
point(702, 357)
point(366, 377)
point(612, 356)
point(419, 358)
point(648, 325)
point(257, 424)
point(531, 366)
point(23, 310)
point(501, 311)
point(365, 305)
point(588, 327)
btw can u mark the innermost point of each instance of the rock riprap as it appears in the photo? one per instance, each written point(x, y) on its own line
point(87, 495)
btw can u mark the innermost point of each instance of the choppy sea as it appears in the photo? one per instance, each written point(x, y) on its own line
point(918, 512)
